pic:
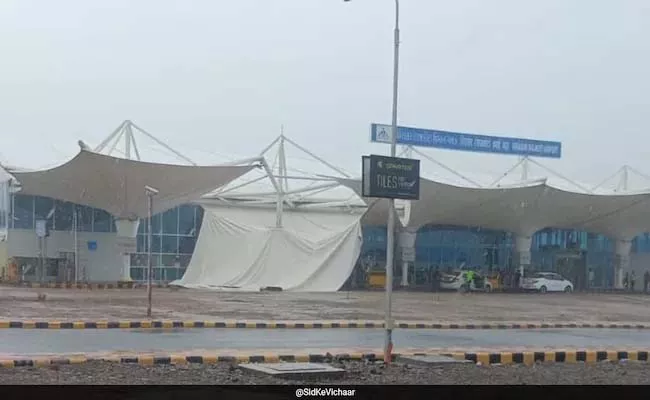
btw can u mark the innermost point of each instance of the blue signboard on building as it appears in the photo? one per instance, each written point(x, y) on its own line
point(466, 141)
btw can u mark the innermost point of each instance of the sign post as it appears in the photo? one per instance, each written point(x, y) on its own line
point(41, 233)
point(390, 237)
point(390, 178)
point(150, 192)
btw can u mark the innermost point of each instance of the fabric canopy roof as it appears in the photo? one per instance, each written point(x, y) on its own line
point(117, 185)
point(524, 209)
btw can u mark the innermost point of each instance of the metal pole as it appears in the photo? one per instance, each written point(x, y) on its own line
point(41, 259)
point(75, 221)
point(524, 168)
point(390, 234)
point(149, 258)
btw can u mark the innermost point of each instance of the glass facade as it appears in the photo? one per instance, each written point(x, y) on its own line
point(174, 235)
point(59, 215)
point(449, 247)
point(174, 231)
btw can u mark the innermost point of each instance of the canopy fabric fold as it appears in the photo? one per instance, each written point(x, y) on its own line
point(377, 212)
point(117, 185)
point(240, 248)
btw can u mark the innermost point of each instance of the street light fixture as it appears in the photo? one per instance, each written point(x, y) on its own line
point(151, 192)
point(390, 228)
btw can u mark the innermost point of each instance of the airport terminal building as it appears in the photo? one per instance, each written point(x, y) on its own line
point(86, 221)
point(176, 230)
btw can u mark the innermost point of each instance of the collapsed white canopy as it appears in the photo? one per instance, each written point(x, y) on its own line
point(240, 248)
point(526, 208)
point(117, 185)
point(377, 211)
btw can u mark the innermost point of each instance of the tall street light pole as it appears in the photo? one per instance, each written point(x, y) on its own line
point(390, 228)
point(151, 192)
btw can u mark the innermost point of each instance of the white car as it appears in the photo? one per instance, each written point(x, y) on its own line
point(547, 282)
point(458, 281)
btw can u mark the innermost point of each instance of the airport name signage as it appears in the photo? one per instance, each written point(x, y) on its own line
point(466, 141)
point(390, 177)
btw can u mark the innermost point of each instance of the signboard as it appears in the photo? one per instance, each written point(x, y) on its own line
point(408, 254)
point(390, 177)
point(92, 245)
point(126, 245)
point(41, 228)
point(466, 141)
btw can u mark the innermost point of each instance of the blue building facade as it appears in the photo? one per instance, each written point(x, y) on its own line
point(448, 247)
point(175, 233)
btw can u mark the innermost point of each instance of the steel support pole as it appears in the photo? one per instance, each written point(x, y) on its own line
point(149, 256)
point(75, 237)
point(390, 234)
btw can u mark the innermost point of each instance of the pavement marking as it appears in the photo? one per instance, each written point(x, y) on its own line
point(245, 324)
point(482, 357)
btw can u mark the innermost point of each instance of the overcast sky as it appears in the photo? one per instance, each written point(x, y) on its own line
point(217, 79)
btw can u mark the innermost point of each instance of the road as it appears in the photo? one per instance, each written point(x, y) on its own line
point(31, 342)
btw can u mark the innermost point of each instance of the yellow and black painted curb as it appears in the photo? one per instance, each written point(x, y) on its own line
point(170, 324)
point(486, 358)
point(531, 357)
point(85, 286)
point(195, 359)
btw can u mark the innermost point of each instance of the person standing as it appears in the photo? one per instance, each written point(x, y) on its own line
point(632, 280)
point(646, 280)
point(516, 280)
point(591, 278)
point(436, 279)
point(468, 277)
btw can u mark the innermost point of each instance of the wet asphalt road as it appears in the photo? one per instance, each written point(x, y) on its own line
point(27, 341)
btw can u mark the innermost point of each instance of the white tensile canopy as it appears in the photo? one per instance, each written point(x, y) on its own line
point(241, 248)
point(117, 184)
point(525, 208)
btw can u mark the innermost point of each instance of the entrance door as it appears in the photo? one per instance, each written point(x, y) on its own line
point(573, 268)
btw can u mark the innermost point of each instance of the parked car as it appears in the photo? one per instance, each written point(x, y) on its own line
point(458, 281)
point(547, 282)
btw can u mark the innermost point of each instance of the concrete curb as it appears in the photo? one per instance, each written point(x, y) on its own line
point(485, 358)
point(568, 356)
point(175, 359)
point(84, 286)
point(171, 324)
